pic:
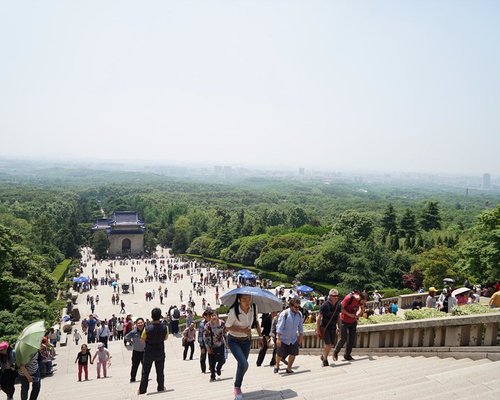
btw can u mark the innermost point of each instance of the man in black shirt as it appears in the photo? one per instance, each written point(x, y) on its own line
point(327, 323)
point(267, 320)
point(154, 336)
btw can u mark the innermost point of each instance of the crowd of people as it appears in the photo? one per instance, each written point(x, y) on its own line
point(212, 337)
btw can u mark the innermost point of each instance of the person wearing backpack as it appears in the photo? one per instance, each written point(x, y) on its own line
point(327, 323)
point(289, 333)
point(215, 339)
point(241, 318)
point(349, 320)
point(175, 315)
point(201, 341)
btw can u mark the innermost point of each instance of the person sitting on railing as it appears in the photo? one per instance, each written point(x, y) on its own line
point(495, 300)
point(430, 302)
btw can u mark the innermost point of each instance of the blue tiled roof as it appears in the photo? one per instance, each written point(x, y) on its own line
point(126, 218)
point(121, 218)
point(126, 231)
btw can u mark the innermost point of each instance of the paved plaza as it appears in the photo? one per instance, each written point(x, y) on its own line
point(135, 303)
point(372, 376)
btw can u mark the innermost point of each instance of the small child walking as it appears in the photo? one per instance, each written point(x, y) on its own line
point(103, 359)
point(76, 336)
point(83, 358)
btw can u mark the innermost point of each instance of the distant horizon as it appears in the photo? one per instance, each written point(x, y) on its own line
point(141, 164)
point(325, 85)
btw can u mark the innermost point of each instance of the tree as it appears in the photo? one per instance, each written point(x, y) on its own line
point(480, 255)
point(297, 217)
point(438, 263)
point(408, 225)
point(149, 243)
point(5, 246)
point(100, 244)
point(388, 221)
point(354, 224)
point(430, 218)
point(181, 236)
point(413, 280)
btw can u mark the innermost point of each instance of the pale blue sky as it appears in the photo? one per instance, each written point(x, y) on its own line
point(372, 85)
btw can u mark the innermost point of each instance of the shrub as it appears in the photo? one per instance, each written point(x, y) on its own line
point(379, 319)
point(60, 270)
point(424, 313)
point(470, 309)
point(222, 310)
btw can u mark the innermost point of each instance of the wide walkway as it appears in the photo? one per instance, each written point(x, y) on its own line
point(367, 376)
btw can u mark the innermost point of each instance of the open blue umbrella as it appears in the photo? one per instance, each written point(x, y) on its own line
point(247, 275)
point(244, 271)
point(81, 279)
point(266, 301)
point(304, 289)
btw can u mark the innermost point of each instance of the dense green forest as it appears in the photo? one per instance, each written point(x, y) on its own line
point(341, 233)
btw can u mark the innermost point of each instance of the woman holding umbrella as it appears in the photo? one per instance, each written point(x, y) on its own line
point(241, 317)
point(28, 357)
point(30, 373)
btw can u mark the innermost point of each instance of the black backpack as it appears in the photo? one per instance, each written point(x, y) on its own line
point(176, 313)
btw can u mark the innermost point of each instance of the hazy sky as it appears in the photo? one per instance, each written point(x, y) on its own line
point(379, 85)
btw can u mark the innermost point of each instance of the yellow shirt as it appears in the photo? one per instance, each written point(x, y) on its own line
point(495, 300)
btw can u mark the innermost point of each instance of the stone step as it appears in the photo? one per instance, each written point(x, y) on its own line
point(382, 377)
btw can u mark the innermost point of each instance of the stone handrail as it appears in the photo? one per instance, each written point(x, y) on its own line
point(462, 331)
point(404, 301)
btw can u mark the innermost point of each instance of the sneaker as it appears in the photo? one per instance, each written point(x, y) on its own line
point(335, 356)
point(218, 372)
point(132, 380)
point(237, 394)
point(289, 371)
point(325, 363)
point(276, 370)
point(212, 379)
point(348, 358)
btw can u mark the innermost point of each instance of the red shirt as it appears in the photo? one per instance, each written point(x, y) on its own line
point(350, 304)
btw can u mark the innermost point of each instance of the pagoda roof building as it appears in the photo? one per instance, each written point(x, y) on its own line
point(126, 228)
point(121, 222)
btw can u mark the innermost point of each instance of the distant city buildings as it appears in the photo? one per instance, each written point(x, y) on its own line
point(486, 181)
point(302, 171)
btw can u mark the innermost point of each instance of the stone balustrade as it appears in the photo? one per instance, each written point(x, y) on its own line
point(404, 301)
point(462, 331)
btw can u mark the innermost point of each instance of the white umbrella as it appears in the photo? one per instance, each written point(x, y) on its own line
point(265, 300)
point(458, 291)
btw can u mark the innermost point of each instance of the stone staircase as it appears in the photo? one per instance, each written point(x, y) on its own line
point(377, 377)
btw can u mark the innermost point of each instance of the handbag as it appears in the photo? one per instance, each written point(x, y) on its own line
point(322, 329)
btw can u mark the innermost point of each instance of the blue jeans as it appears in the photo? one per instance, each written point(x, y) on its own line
point(240, 350)
point(35, 386)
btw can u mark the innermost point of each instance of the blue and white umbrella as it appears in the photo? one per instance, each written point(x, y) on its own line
point(247, 275)
point(304, 289)
point(244, 271)
point(81, 279)
point(266, 301)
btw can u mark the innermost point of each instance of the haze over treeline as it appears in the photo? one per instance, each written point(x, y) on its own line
point(330, 85)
